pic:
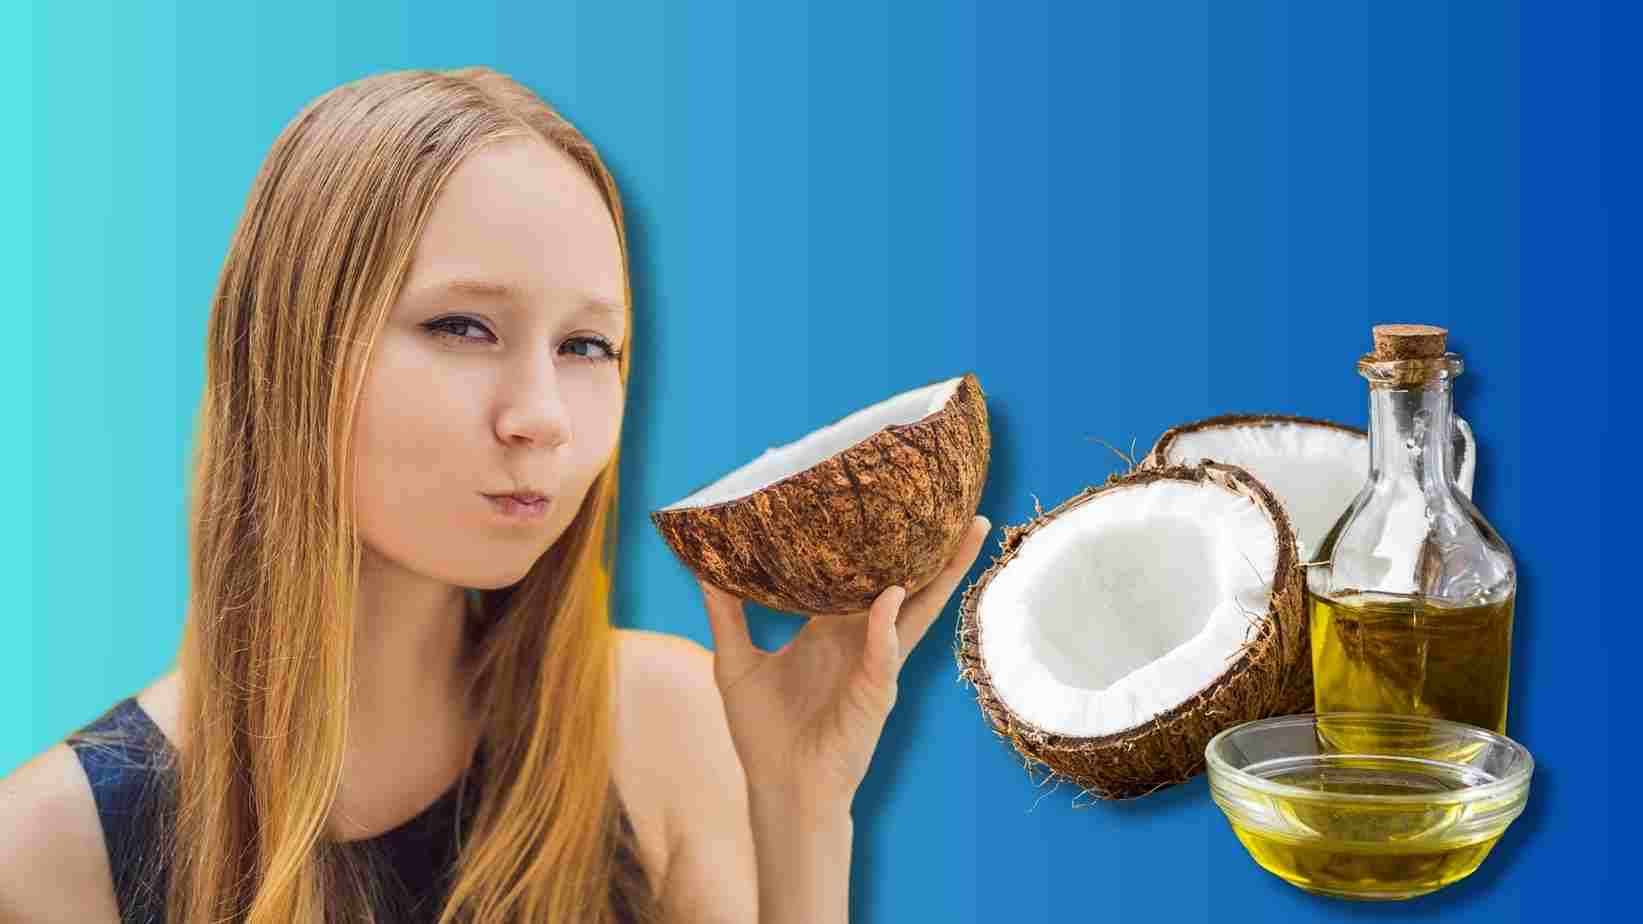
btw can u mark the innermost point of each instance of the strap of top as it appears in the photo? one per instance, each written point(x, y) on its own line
point(124, 755)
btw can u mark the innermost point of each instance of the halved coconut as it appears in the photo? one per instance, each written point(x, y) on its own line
point(1316, 467)
point(825, 524)
point(1124, 628)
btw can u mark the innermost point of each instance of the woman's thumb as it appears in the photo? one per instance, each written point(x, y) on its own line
point(881, 653)
point(733, 647)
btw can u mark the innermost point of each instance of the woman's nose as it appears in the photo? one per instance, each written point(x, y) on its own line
point(534, 411)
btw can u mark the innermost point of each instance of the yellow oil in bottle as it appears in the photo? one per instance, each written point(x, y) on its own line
point(1384, 653)
point(1362, 849)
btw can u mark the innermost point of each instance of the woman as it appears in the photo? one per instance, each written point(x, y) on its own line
point(399, 692)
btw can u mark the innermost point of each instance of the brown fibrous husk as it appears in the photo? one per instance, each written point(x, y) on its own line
point(1270, 675)
point(890, 510)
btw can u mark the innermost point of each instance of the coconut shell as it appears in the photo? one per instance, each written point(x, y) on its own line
point(1301, 696)
point(1263, 680)
point(1300, 693)
point(1159, 455)
point(890, 510)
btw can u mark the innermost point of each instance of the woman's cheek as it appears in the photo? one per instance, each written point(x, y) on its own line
point(598, 422)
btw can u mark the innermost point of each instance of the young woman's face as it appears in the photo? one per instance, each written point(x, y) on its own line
point(495, 371)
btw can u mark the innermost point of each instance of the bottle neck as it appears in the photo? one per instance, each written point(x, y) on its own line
point(1409, 435)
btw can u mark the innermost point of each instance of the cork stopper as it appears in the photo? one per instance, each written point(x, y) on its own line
point(1408, 341)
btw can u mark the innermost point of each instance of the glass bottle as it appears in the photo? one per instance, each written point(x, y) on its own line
point(1412, 591)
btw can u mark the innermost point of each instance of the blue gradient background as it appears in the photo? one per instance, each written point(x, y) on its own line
point(1120, 216)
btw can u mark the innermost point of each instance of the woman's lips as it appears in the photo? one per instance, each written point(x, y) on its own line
point(516, 508)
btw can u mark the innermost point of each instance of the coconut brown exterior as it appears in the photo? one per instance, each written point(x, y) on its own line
point(889, 510)
point(1168, 748)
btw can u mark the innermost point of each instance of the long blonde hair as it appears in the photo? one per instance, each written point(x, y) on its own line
point(317, 260)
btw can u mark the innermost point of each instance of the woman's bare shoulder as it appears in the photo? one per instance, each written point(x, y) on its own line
point(678, 772)
point(162, 700)
point(53, 862)
point(666, 694)
point(53, 866)
point(667, 660)
point(665, 698)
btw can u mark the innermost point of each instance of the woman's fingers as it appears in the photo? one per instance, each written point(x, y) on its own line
point(922, 610)
point(881, 653)
point(734, 653)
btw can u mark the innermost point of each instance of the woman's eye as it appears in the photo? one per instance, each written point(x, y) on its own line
point(592, 349)
point(451, 327)
point(579, 346)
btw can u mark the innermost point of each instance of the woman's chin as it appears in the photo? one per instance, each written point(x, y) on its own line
point(496, 581)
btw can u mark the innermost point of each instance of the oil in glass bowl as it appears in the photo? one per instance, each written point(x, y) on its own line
point(1387, 825)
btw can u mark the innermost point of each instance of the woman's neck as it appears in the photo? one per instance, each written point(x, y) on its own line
point(407, 642)
point(410, 732)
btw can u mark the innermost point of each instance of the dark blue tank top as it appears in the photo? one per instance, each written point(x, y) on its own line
point(129, 780)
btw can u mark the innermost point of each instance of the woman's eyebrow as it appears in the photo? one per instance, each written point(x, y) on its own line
point(614, 310)
point(477, 288)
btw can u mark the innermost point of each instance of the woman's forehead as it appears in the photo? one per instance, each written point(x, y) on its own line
point(516, 220)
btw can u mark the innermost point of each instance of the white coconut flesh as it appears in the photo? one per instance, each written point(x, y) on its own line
point(1314, 470)
point(1122, 608)
point(780, 462)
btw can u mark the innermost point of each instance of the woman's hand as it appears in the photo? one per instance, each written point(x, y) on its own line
point(806, 718)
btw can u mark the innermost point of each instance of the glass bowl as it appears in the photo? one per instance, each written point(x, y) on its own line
point(1367, 806)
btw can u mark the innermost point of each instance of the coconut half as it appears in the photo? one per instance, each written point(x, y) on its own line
point(1316, 467)
point(823, 525)
point(1120, 631)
